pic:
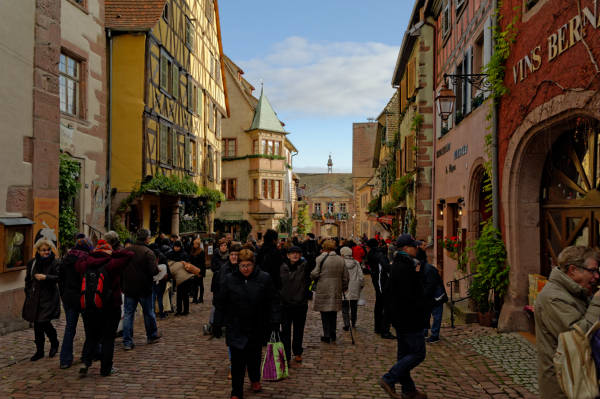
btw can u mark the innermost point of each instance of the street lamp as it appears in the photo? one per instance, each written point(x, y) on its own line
point(445, 97)
point(445, 101)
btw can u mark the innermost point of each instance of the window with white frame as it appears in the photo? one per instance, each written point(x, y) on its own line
point(229, 147)
point(446, 18)
point(318, 208)
point(69, 75)
point(330, 207)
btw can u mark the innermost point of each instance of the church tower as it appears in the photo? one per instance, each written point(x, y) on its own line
point(329, 165)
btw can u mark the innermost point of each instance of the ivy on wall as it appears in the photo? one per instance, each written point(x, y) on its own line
point(68, 187)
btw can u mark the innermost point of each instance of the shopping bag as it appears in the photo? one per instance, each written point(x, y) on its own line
point(574, 365)
point(274, 365)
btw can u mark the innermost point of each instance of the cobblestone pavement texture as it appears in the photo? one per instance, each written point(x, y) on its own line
point(469, 362)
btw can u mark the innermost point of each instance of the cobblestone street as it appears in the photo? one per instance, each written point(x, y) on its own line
point(469, 362)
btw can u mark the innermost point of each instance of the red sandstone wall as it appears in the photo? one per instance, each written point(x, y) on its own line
point(573, 69)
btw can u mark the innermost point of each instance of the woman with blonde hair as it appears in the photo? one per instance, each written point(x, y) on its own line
point(42, 299)
point(332, 278)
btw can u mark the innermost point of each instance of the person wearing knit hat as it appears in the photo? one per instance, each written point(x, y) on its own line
point(355, 286)
point(103, 246)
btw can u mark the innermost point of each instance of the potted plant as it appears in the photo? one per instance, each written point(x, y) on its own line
point(490, 279)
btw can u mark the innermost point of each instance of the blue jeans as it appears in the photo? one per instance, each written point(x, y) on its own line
point(149, 318)
point(66, 350)
point(436, 312)
point(158, 291)
point(411, 352)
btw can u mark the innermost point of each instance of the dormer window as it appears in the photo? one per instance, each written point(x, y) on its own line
point(446, 18)
point(165, 14)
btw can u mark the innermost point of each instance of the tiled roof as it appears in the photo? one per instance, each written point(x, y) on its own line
point(138, 15)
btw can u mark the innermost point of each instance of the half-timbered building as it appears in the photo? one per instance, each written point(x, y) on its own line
point(168, 100)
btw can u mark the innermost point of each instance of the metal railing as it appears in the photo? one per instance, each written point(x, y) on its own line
point(456, 283)
point(93, 229)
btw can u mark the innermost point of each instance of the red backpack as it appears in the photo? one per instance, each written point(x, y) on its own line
point(95, 289)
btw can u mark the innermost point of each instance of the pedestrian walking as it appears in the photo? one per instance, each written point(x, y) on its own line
point(569, 298)
point(101, 303)
point(42, 299)
point(70, 292)
point(295, 280)
point(137, 279)
point(380, 268)
point(355, 285)
point(219, 259)
point(269, 257)
point(248, 305)
point(198, 259)
point(331, 276)
point(436, 292)
point(406, 307)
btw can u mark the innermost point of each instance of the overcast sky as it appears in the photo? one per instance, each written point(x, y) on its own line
point(325, 64)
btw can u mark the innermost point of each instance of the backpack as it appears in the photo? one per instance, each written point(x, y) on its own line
point(95, 289)
point(575, 368)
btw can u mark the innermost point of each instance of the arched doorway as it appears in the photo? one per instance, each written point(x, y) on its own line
point(526, 197)
point(569, 196)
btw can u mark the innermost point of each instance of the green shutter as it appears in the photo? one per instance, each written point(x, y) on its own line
point(188, 157)
point(163, 137)
point(199, 102)
point(175, 91)
point(164, 71)
point(174, 148)
point(190, 93)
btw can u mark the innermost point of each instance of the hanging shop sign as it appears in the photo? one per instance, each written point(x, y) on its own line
point(561, 40)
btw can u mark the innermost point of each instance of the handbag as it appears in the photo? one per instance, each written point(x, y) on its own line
point(274, 365)
point(313, 285)
point(574, 365)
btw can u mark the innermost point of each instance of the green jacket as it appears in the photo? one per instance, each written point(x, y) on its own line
point(559, 306)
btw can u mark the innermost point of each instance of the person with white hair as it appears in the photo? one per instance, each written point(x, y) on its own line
point(42, 299)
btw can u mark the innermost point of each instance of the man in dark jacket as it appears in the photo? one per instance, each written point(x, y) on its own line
point(269, 258)
point(137, 287)
point(406, 307)
point(380, 268)
point(101, 324)
point(70, 293)
point(221, 276)
point(295, 280)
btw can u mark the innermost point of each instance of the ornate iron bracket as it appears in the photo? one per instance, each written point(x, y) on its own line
point(477, 80)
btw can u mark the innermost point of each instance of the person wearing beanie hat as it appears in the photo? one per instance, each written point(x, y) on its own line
point(69, 284)
point(103, 246)
point(355, 285)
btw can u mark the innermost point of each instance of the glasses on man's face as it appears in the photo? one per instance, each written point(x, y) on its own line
point(591, 270)
point(245, 265)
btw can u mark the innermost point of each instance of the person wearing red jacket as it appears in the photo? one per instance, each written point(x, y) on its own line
point(358, 253)
point(100, 325)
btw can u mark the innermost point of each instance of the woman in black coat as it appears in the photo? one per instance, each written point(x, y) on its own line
point(198, 259)
point(42, 299)
point(248, 305)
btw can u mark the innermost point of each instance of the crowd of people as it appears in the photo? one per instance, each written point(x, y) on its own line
point(259, 289)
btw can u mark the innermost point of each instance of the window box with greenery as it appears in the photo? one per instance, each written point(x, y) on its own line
point(317, 216)
point(374, 205)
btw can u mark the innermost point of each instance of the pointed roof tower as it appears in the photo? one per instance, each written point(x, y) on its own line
point(264, 116)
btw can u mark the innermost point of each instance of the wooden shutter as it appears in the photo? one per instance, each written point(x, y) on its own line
point(187, 149)
point(163, 142)
point(164, 71)
point(411, 78)
point(403, 93)
point(174, 148)
point(190, 94)
point(410, 153)
point(199, 102)
point(175, 89)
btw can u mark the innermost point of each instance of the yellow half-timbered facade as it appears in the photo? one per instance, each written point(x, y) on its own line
point(168, 98)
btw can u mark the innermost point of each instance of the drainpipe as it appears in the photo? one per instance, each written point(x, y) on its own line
point(109, 132)
point(495, 186)
point(434, 138)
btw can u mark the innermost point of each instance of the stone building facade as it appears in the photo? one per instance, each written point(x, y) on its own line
point(363, 143)
point(257, 163)
point(463, 43)
point(30, 43)
point(548, 140)
point(83, 105)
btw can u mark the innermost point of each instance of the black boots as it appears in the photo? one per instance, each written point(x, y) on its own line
point(53, 349)
point(37, 355)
